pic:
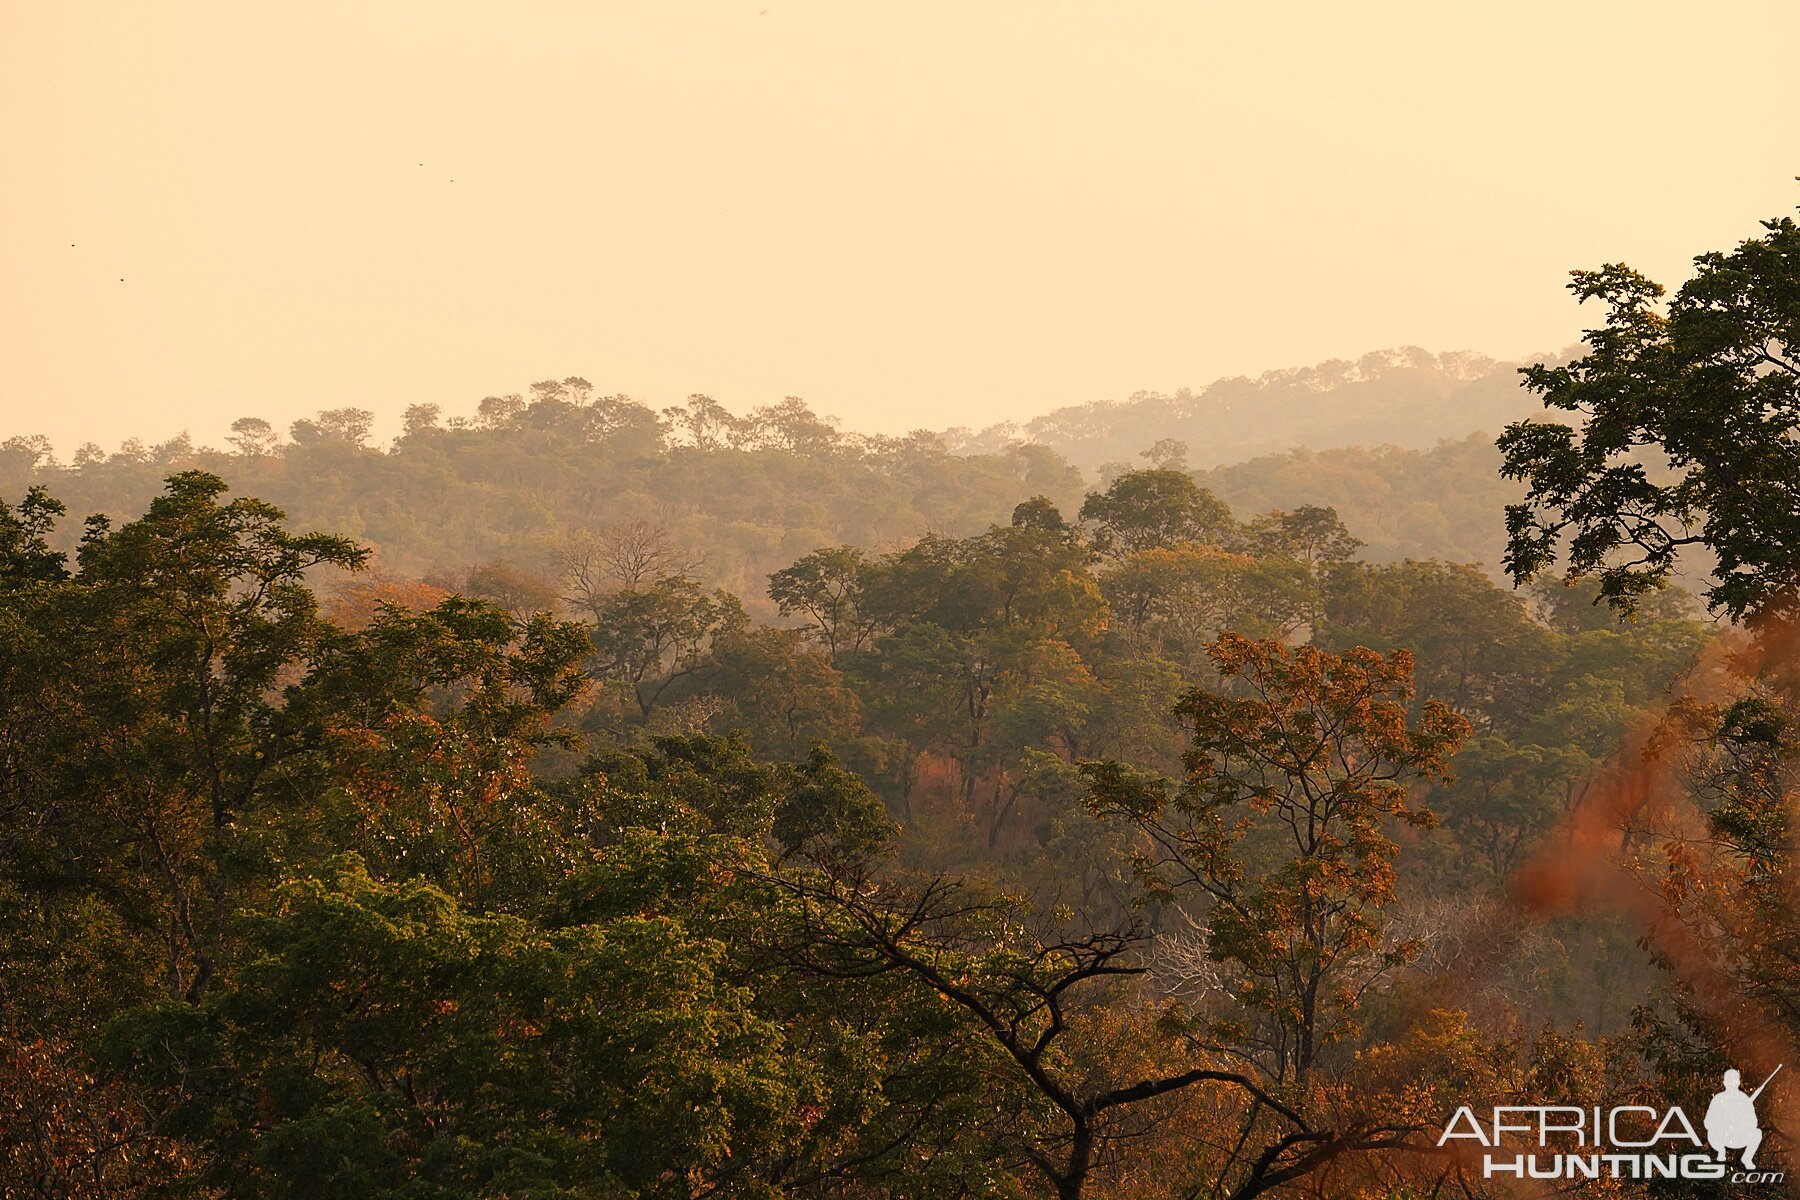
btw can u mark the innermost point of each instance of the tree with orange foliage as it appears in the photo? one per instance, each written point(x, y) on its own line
point(1281, 824)
point(1297, 769)
point(65, 1135)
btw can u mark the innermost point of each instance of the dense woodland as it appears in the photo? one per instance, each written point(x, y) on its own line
point(510, 488)
point(612, 803)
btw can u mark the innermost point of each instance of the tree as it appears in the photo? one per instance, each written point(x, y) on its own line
point(517, 591)
point(402, 1044)
point(1571, 609)
point(708, 424)
point(625, 554)
point(915, 692)
point(1167, 454)
point(65, 1135)
point(647, 638)
point(420, 419)
point(252, 436)
point(1158, 507)
point(827, 587)
point(1674, 434)
point(976, 611)
point(428, 723)
point(1028, 993)
point(795, 428)
point(1311, 534)
point(1040, 718)
point(187, 623)
point(1711, 387)
point(1079, 1062)
point(21, 455)
point(781, 692)
point(1174, 600)
point(349, 425)
point(25, 554)
point(497, 412)
point(1506, 795)
point(1279, 826)
point(355, 602)
point(1040, 512)
point(1476, 646)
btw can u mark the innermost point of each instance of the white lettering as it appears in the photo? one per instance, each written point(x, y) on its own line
point(1489, 1166)
point(1475, 1130)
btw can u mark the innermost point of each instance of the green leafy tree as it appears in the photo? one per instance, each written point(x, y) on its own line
point(974, 613)
point(430, 722)
point(1040, 720)
point(252, 436)
point(1476, 646)
point(1030, 996)
point(826, 587)
point(795, 428)
point(781, 692)
point(1711, 385)
point(1172, 601)
point(26, 556)
point(1157, 507)
point(348, 425)
point(1311, 534)
point(648, 638)
point(402, 1045)
point(185, 627)
point(1505, 796)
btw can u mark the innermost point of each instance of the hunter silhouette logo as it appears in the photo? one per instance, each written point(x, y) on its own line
point(1625, 1141)
point(1731, 1119)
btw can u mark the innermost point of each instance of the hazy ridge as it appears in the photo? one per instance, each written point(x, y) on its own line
point(1400, 442)
point(1405, 397)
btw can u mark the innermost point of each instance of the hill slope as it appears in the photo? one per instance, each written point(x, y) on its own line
point(1407, 398)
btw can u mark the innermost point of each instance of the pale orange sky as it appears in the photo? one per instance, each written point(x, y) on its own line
point(911, 214)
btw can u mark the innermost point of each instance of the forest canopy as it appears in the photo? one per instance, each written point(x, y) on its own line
point(683, 804)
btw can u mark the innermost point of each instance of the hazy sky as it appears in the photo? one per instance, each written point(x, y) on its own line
point(910, 214)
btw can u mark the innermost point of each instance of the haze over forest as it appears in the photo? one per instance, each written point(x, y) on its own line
point(1399, 442)
point(915, 217)
point(626, 602)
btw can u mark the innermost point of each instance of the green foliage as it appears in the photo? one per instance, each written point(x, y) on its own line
point(1475, 645)
point(1506, 796)
point(781, 693)
point(539, 471)
point(25, 553)
point(1312, 534)
point(1158, 507)
point(649, 637)
point(1439, 501)
point(399, 1044)
point(451, 897)
point(1713, 385)
point(829, 816)
point(826, 587)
